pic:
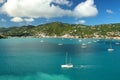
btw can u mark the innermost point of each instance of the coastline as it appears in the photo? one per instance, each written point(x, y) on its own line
point(71, 37)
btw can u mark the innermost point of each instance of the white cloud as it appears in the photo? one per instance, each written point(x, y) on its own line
point(19, 19)
point(81, 22)
point(29, 19)
point(44, 9)
point(109, 11)
point(33, 8)
point(16, 19)
point(63, 2)
point(86, 9)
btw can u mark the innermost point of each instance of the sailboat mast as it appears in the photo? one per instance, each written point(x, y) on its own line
point(110, 36)
point(66, 57)
point(111, 43)
point(70, 59)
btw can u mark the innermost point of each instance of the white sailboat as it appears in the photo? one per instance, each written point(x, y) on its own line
point(80, 40)
point(110, 49)
point(67, 65)
point(60, 44)
point(83, 45)
point(117, 43)
point(89, 41)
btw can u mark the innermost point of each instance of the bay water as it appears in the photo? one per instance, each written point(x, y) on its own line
point(41, 59)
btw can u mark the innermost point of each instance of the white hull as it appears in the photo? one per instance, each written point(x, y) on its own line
point(60, 44)
point(83, 46)
point(117, 43)
point(67, 66)
point(80, 40)
point(110, 49)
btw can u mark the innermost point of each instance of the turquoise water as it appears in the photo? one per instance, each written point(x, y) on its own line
point(40, 59)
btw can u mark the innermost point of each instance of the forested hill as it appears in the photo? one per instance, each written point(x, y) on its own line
point(60, 29)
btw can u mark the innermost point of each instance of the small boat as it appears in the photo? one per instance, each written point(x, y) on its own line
point(80, 40)
point(110, 49)
point(117, 43)
point(67, 65)
point(83, 45)
point(60, 44)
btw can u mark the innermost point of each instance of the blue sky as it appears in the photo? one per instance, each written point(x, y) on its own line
point(35, 12)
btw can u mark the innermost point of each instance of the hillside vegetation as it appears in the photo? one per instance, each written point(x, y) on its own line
point(58, 29)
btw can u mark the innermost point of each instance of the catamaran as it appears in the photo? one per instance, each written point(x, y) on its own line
point(67, 65)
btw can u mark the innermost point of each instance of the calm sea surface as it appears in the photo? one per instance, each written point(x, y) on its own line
point(41, 59)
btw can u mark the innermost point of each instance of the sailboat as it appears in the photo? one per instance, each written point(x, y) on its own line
point(67, 65)
point(110, 49)
point(80, 40)
point(83, 44)
point(117, 43)
point(60, 44)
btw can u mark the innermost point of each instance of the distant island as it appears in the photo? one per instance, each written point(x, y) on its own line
point(63, 30)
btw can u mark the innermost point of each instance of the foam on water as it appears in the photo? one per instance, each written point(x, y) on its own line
point(85, 66)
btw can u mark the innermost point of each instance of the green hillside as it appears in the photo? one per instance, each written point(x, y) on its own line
point(60, 29)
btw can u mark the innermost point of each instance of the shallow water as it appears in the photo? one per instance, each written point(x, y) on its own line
point(40, 59)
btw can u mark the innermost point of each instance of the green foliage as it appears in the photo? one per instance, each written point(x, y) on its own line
point(59, 29)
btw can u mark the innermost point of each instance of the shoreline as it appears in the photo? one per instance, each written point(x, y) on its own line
point(114, 38)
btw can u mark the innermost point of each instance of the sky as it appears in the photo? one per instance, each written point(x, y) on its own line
point(36, 12)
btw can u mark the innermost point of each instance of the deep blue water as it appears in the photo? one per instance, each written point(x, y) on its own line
point(32, 59)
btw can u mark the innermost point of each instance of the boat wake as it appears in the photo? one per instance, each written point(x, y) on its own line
point(83, 66)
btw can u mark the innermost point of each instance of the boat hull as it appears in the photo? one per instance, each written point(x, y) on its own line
point(110, 49)
point(67, 66)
